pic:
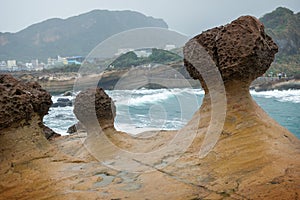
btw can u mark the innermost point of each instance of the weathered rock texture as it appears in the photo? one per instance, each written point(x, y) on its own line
point(94, 105)
point(21, 102)
point(253, 150)
point(241, 50)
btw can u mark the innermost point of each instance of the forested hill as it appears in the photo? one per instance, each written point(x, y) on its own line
point(283, 25)
point(76, 35)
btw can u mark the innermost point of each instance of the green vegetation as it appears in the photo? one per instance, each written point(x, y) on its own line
point(284, 27)
point(63, 69)
point(159, 56)
point(127, 60)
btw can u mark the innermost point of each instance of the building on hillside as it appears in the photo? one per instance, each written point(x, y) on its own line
point(169, 47)
point(123, 51)
point(3, 64)
point(51, 61)
point(35, 64)
point(11, 65)
point(143, 52)
point(75, 60)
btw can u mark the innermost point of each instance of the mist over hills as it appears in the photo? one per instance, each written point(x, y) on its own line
point(76, 35)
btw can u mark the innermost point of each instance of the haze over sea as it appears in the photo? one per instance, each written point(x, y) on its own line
point(171, 109)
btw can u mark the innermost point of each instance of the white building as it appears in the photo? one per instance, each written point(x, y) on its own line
point(35, 63)
point(11, 63)
point(143, 53)
point(169, 47)
point(123, 51)
point(3, 64)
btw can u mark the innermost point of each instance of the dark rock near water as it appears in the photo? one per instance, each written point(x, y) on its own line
point(49, 133)
point(62, 102)
point(20, 103)
point(93, 106)
point(76, 127)
point(68, 93)
point(72, 129)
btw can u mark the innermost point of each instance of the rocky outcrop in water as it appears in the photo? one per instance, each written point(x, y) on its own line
point(62, 102)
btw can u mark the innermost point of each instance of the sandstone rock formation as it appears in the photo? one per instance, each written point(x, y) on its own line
point(21, 102)
point(254, 157)
point(253, 150)
point(94, 105)
point(241, 50)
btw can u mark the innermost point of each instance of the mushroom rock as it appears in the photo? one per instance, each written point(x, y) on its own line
point(94, 106)
point(254, 156)
point(241, 50)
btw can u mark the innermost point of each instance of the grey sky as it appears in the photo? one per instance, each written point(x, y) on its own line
point(186, 16)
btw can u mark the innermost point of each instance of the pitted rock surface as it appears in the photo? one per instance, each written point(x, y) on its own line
point(241, 50)
point(94, 105)
point(20, 101)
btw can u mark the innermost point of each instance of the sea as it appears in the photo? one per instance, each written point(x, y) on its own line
point(170, 109)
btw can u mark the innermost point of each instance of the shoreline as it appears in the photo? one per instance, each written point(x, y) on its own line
point(274, 83)
point(58, 83)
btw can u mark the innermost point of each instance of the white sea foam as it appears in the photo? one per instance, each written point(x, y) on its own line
point(59, 119)
point(282, 96)
point(143, 96)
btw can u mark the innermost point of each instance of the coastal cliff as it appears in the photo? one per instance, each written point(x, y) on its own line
point(252, 158)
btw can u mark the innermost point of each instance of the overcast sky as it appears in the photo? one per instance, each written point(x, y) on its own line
point(186, 16)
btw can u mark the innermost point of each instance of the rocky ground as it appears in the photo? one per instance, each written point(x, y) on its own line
point(253, 157)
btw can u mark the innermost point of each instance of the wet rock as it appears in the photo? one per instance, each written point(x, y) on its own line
point(75, 128)
point(68, 93)
point(72, 129)
point(49, 133)
point(62, 102)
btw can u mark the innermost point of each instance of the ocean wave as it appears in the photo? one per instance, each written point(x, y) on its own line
point(282, 96)
point(145, 96)
point(133, 106)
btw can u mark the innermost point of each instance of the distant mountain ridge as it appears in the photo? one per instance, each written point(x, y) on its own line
point(76, 35)
point(284, 27)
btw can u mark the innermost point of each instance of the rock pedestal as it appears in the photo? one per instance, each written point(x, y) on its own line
point(94, 106)
point(253, 150)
